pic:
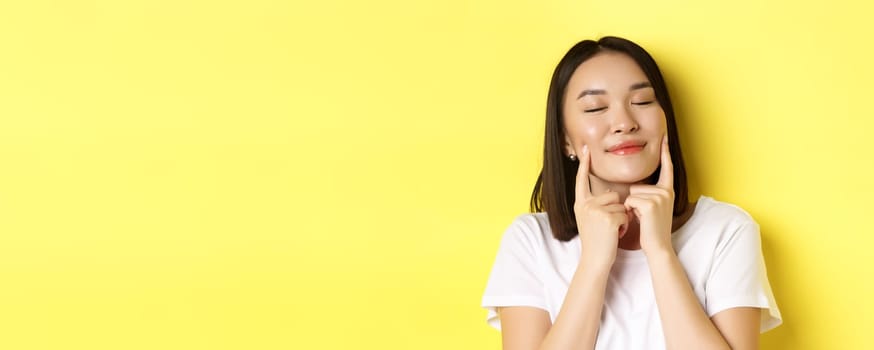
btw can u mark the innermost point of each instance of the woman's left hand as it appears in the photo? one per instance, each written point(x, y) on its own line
point(653, 205)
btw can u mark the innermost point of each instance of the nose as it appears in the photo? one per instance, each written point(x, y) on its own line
point(623, 122)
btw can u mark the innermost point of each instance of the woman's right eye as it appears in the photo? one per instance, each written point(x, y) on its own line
point(591, 110)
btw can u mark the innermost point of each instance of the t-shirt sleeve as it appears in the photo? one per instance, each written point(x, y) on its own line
point(738, 277)
point(514, 279)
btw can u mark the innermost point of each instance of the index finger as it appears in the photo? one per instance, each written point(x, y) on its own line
point(666, 175)
point(582, 189)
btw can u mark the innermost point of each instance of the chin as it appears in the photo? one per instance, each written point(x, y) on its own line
point(628, 180)
point(628, 176)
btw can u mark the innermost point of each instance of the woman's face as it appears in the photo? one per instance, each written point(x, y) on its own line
point(611, 107)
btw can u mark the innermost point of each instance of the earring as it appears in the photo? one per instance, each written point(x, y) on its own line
point(573, 157)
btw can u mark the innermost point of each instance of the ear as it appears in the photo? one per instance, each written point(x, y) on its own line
point(569, 146)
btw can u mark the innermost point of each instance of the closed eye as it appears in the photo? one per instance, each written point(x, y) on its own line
point(594, 110)
point(644, 103)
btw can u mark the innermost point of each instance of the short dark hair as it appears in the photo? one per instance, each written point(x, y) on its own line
point(554, 190)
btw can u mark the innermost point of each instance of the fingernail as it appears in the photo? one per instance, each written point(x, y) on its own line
point(665, 139)
point(585, 148)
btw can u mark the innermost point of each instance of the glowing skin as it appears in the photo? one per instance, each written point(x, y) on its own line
point(608, 101)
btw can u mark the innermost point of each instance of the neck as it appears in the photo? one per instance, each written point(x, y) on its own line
point(631, 239)
point(600, 186)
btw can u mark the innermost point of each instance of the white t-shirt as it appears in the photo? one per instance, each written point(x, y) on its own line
point(719, 248)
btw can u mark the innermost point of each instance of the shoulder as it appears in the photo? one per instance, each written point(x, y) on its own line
point(719, 225)
point(715, 213)
point(531, 229)
point(531, 233)
point(719, 233)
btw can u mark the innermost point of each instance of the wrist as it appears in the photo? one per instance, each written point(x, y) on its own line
point(596, 262)
point(659, 253)
point(593, 273)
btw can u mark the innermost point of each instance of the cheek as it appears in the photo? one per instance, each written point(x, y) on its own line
point(586, 133)
point(655, 120)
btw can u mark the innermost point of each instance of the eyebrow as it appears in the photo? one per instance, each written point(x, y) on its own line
point(635, 86)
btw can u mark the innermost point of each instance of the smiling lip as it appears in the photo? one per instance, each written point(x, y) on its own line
point(626, 148)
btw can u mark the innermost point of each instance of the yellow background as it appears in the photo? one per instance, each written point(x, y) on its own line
point(337, 174)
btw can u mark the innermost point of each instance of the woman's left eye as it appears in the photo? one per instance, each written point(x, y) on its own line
point(643, 103)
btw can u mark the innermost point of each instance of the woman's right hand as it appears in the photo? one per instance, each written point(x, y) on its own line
point(600, 219)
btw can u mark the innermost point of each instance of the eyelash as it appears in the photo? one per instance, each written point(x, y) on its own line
point(603, 108)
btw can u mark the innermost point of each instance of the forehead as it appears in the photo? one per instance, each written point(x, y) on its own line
point(611, 71)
